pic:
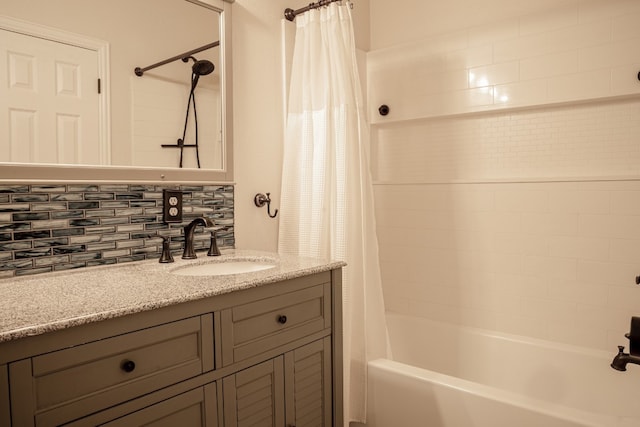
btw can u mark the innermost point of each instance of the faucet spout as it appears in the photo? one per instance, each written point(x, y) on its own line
point(189, 252)
point(619, 362)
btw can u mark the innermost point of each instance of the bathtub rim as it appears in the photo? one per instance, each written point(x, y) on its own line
point(522, 339)
point(489, 392)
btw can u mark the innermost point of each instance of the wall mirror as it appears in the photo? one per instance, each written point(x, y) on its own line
point(74, 109)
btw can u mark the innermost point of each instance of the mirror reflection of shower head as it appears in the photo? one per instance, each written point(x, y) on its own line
point(200, 68)
point(203, 67)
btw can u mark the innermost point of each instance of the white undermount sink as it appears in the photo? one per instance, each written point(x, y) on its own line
point(223, 268)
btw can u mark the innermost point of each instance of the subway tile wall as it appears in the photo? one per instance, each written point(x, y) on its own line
point(46, 228)
point(507, 185)
point(550, 260)
point(588, 140)
point(584, 51)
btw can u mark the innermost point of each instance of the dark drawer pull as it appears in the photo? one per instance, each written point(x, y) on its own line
point(128, 366)
point(282, 319)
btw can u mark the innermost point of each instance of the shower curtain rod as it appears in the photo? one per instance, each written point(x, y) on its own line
point(290, 14)
point(140, 71)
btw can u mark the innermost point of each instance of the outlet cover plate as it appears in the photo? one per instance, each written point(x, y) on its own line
point(171, 206)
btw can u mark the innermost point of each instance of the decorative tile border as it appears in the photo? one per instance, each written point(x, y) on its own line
point(46, 228)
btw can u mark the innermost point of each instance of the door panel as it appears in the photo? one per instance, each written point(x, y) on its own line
point(255, 396)
point(49, 101)
point(308, 385)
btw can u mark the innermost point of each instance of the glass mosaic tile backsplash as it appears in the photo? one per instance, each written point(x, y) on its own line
point(46, 228)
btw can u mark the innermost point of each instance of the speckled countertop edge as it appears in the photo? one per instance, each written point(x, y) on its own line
point(48, 302)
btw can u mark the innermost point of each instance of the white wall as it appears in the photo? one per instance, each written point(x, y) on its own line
point(517, 214)
point(258, 76)
point(158, 108)
point(396, 22)
point(258, 118)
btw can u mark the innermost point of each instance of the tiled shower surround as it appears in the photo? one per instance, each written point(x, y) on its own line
point(46, 228)
point(507, 173)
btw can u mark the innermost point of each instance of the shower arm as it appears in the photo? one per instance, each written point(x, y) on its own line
point(140, 71)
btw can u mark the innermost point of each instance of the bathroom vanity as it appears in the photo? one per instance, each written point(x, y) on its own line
point(140, 345)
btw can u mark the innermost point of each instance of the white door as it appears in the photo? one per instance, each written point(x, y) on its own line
point(49, 101)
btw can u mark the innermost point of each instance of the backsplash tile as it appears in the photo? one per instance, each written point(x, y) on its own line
point(46, 228)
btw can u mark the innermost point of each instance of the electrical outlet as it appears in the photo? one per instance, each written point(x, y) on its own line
point(172, 206)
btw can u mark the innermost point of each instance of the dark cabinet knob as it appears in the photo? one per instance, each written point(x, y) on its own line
point(282, 319)
point(128, 366)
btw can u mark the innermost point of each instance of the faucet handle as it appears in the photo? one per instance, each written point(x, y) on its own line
point(213, 248)
point(166, 256)
point(620, 349)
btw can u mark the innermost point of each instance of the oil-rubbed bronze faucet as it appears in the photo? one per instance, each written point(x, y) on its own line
point(621, 359)
point(188, 252)
point(213, 248)
point(166, 256)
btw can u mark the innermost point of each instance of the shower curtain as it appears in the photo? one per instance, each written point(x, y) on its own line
point(327, 197)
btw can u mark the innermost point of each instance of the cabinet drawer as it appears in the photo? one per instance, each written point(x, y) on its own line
point(195, 408)
point(76, 381)
point(169, 407)
point(262, 325)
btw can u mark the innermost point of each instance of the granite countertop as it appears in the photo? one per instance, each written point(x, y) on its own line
point(37, 304)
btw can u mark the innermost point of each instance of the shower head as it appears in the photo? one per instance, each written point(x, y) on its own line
point(202, 67)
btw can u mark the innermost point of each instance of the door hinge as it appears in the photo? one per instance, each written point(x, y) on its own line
point(99, 86)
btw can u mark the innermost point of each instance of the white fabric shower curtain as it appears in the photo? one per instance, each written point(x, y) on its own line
point(326, 202)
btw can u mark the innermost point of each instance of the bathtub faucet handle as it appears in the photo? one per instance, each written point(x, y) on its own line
point(621, 360)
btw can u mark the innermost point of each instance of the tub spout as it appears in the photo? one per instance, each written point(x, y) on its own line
point(620, 361)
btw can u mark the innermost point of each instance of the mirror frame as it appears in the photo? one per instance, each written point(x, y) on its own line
point(34, 173)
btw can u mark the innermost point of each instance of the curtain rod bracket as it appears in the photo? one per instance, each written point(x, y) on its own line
point(290, 14)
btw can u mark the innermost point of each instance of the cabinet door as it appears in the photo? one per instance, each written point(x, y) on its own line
point(308, 385)
point(255, 396)
point(5, 415)
point(195, 408)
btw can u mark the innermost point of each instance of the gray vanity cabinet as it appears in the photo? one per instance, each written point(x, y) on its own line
point(170, 407)
point(308, 385)
point(195, 408)
point(72, 382)
point(269, 355)
point(5, 411)
point(255, 396)
point(290, 390)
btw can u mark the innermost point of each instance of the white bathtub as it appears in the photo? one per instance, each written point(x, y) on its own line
point(448, 376)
